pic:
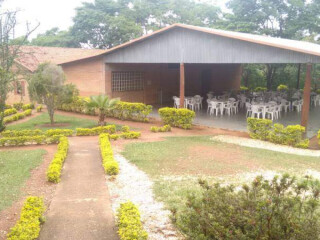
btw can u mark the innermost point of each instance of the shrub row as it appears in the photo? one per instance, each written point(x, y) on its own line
point(35, 132)
point(129, 223)
point(27, 106)
point(10, 111)
point(95, 131)
point(28, 226)
point(78, 105)
point(18, 106)
point(111, 167)
point(55, 167)
point(291, 135)
point(28, 140)
point(17, 116)
point(63, 132)
point(165, 128)
point(181, 118)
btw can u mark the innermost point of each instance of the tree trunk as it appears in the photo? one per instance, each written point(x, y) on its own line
point(51, 115)
point(101, 119)
point(270, 73)
point(2, 107)
point(50, 106)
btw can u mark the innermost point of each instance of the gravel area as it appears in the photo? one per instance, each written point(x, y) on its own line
point(134, 185)
point(246, 142)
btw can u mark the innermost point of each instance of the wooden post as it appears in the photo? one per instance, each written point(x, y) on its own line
point(182, 80)
point(306, 97)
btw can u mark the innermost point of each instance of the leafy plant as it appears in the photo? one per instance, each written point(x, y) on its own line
point(177, 117)
point(111, 129)
point(165, 128)
point(260, 89)
point(282, 87)
point(109, 164)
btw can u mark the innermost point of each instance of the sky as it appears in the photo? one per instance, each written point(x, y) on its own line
point(49, 13)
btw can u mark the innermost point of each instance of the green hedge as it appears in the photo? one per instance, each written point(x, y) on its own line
point(27, 106)
point(181, 118)
point(130, 111)
point(110, 165)
point(55, 167)
point(111, 129)
point(291, 135)
point(28, 226)
point(39, 108)
point(63, 132)
point(28, 140)
point(165, 128)
point(36, 132)
point(130, 135)
point(9, 112)
point(129, 223)
point(17, 116)
point(18, 106)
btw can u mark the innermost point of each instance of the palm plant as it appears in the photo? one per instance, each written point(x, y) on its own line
point(102, 103)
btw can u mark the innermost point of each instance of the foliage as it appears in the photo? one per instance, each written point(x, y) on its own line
point(55, 167)
point(17, 116)
point(18, 106)
point(260, 89)
point(111, 167)
point(318, 91)
point(165, 128)
point(39, 108)
point(95, 131)
point(291, 135)
point(129, 223)
point(27, 140)
point(281, 208)
point(130, 111)
point(27, 106)
point(46, 86)
point(78, 104)
point(19, 133)
point(62, 132)
point(282, 87)
point(125, 129)
point(244, 88)
point(181, 118)
point(28, 226)
point(10, 111)
point(102, 103)
point(130, 135)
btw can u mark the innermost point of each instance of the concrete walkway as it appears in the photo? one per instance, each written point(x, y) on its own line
point(81, 207)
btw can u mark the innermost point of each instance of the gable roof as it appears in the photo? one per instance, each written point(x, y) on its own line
point(286, 44)
point(31, 56)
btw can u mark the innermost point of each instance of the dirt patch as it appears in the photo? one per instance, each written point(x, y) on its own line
point(53, 125)
point(36, 185)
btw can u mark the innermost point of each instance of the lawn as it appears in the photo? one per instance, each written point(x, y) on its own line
point(15, 168)
point(68, 122)
point(176, 164)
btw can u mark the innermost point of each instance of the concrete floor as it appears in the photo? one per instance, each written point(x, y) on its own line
point(238, 121)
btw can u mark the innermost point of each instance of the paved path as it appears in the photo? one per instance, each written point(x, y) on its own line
point(81, 208)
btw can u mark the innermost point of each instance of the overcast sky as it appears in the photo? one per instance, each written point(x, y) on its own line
point(49, 13)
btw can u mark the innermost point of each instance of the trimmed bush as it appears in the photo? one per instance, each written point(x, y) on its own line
point(28, 140)
point(181, 118)
point(10, 111)
point(130, 111)
point(62, 132)
point(27, 106)
point(129, 223)
point(39, 108)
point(259, 128)
point(111, 129)
point(165, 128)
point(280, 208)
point(282, 87)
point(18, 106)
point(111, 167)
point(260, 89)
point(28, 226)
point(131, 135)
point(55, 167)
point(19, 133)
point(125, 128)
point(17, 116)
point(291, 135)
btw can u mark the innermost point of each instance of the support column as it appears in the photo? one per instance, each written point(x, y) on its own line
point(306, 97)
point(182, 80)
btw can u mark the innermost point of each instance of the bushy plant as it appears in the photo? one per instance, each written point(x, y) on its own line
point(165, 128)
point(244, 88)
point(282, 87)
point(111, 167)
point(281, 208)
point(125, 128)
point(10, 111)
point(131, 135)
point(27, 106)
point(28, 140)
point(62, 132)
point(259, 128)
point(130, 111)
point(318, 91)
point(39, 108)
point(17, 116)
point(260, 89)
point(18, 106)
point(111, 129)
point(7, 106)
point(181, 118)
point(28, 226)
point(18, 133)
point(129, 223)
point(55, 167)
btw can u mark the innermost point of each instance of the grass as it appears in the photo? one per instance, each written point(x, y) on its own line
point(73, 122)
point(15, 168)
point(176, 164)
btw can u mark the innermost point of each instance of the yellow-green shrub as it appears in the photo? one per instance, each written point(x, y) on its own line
point(125, 128)
point(18, 133)
point(63, 132)
point(28, 140)
point(27, 106)
point(111, 167)
point(55, 167)
point(129, 223)
point(319, 136)
point(130, 111)
point(259, 128)
point(18, 106)
point(10, 111)
point(181, 118)
point(39, 108)
point(17, 116)
point(111, 129)
point(28, 226)
point(165, 128)
point(131, 135)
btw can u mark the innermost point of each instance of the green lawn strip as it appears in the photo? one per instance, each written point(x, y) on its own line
point(72, 123)
point(15, 168)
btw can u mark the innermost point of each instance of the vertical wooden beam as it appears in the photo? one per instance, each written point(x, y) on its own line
point(306, 97)
point(182, 80)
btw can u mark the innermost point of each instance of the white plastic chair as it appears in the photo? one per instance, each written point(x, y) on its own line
point(248, 107)
point(285, 105)
point(271, 111)
point(176, 102)
point(215, 108)
point(191, 103)
point(256, 111)
point(297, 105)
point(235, 107)
point(227, 107)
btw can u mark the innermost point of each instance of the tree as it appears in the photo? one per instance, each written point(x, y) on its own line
point(9, 52)
point(55, 38)
point(102, 103)
point(46, 86)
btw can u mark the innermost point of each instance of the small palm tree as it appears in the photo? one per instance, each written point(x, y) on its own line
point(102, 103)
